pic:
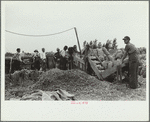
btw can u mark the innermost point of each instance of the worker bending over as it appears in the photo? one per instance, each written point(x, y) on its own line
point(131, 51)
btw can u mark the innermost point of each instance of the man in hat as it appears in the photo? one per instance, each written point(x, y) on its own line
point(131, 51)
point(36, 59)
point(43, 57)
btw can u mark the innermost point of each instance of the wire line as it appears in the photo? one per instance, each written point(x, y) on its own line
point(38, 35)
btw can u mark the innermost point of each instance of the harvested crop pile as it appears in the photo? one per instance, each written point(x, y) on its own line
point(55, 79)
point(18, 77)
point(82, 85)
point(86, 87)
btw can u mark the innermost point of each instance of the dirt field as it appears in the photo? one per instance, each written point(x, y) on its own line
point(77, 82)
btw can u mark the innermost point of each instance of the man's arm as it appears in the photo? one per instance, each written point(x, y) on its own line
point(41, 55)
point(20, 58)
point(126, 52)
point(124, 56)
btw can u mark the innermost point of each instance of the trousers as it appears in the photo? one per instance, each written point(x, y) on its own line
point(133, 74)
point(44, 65)
point(88, 68)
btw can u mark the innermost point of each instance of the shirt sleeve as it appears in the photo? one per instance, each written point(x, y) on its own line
point(127, 48)
point(41, 55)
point(63, 53)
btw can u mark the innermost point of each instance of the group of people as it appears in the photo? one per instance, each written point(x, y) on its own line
point(40, 61)
point(64, 58)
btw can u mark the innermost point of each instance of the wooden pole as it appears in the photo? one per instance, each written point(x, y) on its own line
point(77, 39)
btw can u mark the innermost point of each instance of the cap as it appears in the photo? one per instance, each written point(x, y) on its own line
point(126, 37)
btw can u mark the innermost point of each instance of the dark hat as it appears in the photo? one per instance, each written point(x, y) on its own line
point(126, 38)
point(36, 51)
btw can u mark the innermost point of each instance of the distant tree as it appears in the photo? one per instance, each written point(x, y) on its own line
point(95, 44)
point(114, 45)
point(108, 45)
point(100, 44)
point(9, 54)
point(91, 44)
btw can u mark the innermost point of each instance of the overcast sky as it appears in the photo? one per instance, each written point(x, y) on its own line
point(93, 20)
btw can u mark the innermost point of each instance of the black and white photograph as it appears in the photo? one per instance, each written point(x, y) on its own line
point(75, 53)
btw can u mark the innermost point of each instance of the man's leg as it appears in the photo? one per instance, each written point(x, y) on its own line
point(133, 76)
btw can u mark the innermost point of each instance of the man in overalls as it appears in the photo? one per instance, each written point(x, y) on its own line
point(131, 51)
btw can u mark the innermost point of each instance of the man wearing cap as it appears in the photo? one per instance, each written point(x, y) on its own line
point(131, 51)
point(36, 59)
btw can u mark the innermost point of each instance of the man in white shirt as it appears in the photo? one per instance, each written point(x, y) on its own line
point(16, 64)
point(64, 58)
point(43, 57)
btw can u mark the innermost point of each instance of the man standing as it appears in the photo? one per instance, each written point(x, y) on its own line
point(64, 59)
point(43, 57)
point(70, 60)
point(131, 51)
point(87, 53)
point(16, 64)
point(36, 58)
point(57, 57)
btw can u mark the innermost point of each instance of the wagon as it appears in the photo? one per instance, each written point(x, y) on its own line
point(101, 74)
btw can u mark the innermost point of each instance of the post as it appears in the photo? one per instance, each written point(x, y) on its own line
point(77, 39)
